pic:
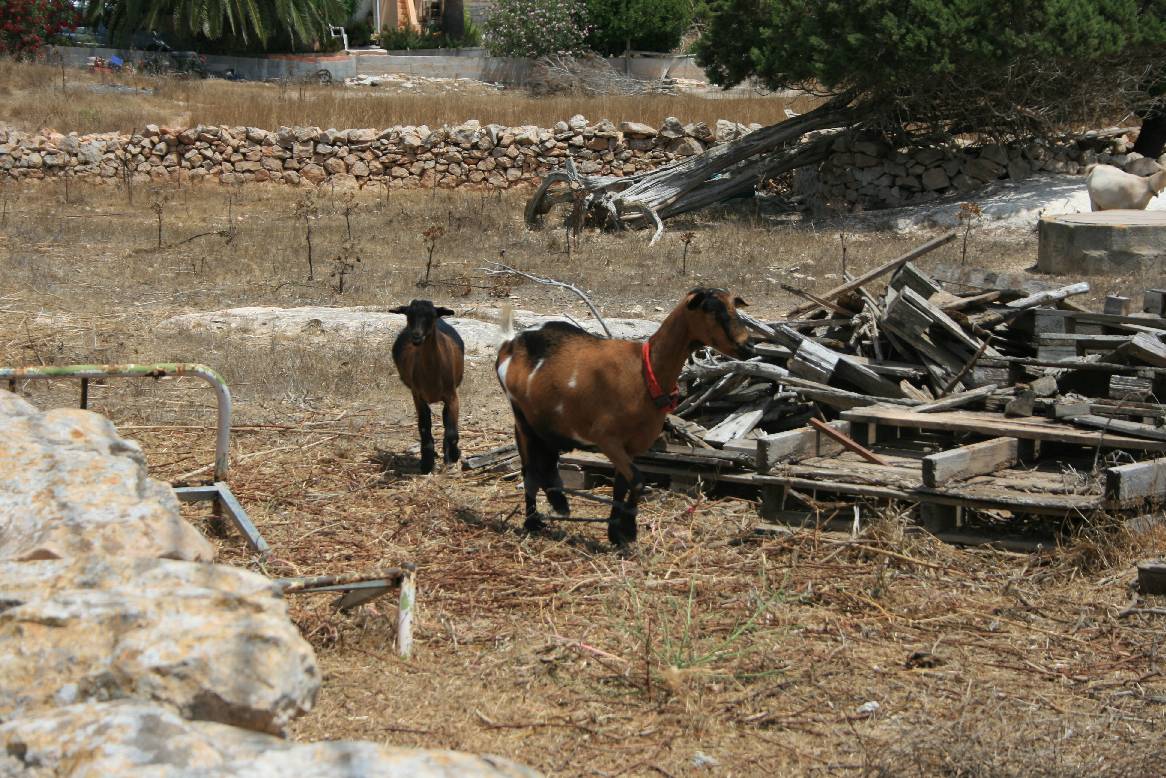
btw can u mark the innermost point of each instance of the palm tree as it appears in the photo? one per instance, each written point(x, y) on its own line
point(249, 21)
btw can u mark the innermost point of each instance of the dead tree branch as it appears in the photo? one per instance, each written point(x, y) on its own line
point(498, 269)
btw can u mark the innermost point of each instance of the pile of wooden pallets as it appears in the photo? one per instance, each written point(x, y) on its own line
point(993, 403)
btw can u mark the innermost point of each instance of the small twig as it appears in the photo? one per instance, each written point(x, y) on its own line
point(501, 269)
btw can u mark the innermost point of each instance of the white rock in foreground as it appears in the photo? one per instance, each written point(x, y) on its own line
point(70, 485)
point(213, 641)
point(130, 738)
point(482, 335)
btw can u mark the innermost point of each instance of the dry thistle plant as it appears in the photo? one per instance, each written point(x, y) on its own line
point(158, 201)
point(308, 209)
point(686, 239)
point(430, 235)
point(348, 207)
point(969, 217)
point(343, 264)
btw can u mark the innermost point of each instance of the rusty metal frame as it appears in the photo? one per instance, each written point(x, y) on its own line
point(218, 492)
point(361, 588)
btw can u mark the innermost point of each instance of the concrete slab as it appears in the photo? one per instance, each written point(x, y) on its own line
point(1102, 242)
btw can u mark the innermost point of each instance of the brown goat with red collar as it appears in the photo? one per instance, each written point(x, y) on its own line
point(569, 388)
point(430, 356)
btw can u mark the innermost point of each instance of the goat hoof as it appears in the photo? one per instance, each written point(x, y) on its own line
point(621, 532)
point(534, 523)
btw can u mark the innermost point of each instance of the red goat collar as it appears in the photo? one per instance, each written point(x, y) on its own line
point(667, 401)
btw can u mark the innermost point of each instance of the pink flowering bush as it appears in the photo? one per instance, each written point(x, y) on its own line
point(535, 28)
point(26, 25)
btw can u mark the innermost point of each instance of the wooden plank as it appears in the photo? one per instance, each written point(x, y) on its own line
point(1139, 481)
point(490, 458)
point(994, 425)
point(847, 442)
point(956, 400)
point(736, 425)
point(947, 324)
point(870, 275)
point(1143, 347)
point(795, 445)
point(822, 364)
point(1152, 576)
point(1117, 305)
point(1120, 426)
point(964, 462)
point(910, 277)
point(1154, 302)
point(1050, 296)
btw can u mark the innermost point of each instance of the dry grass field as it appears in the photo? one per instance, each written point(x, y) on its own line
point(32, 97)
point(703, 650)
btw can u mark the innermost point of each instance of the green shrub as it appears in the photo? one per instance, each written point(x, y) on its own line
point(643, 25)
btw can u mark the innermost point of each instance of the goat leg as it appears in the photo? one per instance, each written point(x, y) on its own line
point(425, 427)
point(449, 441)
point(629, 483)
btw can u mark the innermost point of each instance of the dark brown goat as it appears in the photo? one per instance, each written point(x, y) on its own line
point(569, 389)
point(430, 355)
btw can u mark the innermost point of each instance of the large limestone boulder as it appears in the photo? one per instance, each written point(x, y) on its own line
point(70, 485)
point(213, 641)
point(131, 738)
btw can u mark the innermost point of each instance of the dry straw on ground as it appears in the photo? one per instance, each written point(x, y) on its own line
point(31, 97)
point(705, 642)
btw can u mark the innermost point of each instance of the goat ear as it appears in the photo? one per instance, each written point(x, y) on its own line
point(697, 297)
point(402, 309)
point(740, 303)
point(444, 312)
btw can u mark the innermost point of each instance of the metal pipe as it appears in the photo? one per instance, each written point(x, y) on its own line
point(158, 370)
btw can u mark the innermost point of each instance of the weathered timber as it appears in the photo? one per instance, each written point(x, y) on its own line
point(966, 461)
point(819, 363)
point(870, 275)
point(1152, 576)
point(1135, 482)
point(1120, 426)
point(1117, 305)
point(992, 425)
point(847, 442)
point(490, 458)
point(796, 445)
point(1154, 302)
point(1142, 347)
point(736, 425)
point(838, 398)
point(1070, 408)
point(956, 400)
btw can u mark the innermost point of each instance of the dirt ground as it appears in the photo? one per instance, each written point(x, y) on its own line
point(706, 649)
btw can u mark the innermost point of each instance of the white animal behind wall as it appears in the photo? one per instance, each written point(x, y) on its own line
point(1111, 188)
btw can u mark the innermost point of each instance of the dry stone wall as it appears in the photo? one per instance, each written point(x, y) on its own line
point(860, 173)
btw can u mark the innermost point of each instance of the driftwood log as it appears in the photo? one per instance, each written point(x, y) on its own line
point(720, 172)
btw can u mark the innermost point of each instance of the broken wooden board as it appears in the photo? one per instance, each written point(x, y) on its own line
point(797, 444)
point(994, 425)
point(1140, 481)
point(961, 463)
point(1120, 426)
point(1143, 347)
point(736, 425)
point(956, 400)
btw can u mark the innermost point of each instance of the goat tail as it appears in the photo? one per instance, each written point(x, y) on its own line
point(506, 322)
point(1089, 168)
point(1158, 181)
